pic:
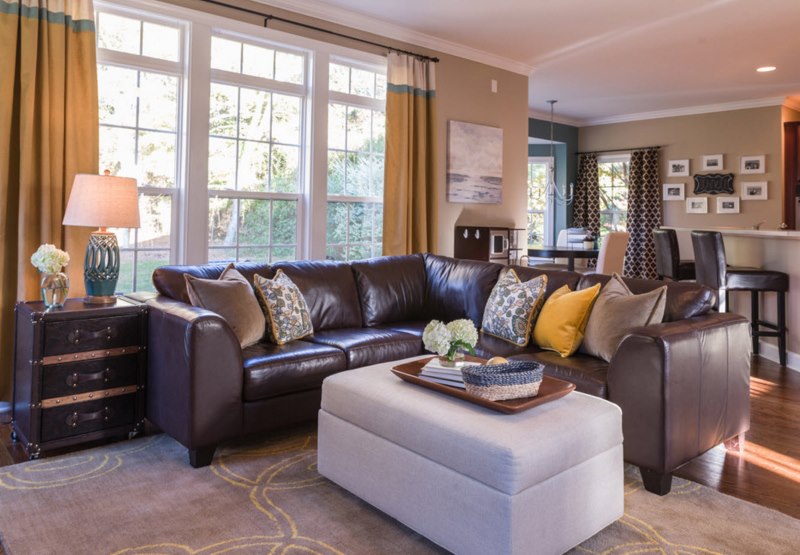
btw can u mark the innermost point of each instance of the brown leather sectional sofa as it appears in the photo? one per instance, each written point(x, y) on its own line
point(683, 385)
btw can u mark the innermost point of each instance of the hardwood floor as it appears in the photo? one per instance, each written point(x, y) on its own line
point(767, 472)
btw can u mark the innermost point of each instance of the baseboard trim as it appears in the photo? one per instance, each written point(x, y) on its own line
point(770, 352)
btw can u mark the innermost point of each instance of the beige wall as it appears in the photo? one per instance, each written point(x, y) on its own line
point(735, 133)
point(463, 93)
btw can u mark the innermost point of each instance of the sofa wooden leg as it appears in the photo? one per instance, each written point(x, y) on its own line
point(201, 457)
point(656, 482)
point(735, 444)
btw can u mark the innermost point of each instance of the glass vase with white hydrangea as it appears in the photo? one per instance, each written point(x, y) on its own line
point(451, 340)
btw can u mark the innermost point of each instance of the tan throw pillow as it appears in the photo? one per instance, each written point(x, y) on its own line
point(232, 297)
point(287, 311)
point(616, 312)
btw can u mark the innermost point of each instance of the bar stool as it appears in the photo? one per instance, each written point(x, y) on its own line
point(668, 259)
point(712, 270)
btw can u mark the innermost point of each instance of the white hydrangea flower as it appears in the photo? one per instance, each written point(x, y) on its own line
point(49, 259)
point(436, 338)
point(464, 331)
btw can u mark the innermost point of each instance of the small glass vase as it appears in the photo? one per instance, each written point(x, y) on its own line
point(454, 362)
point(55, 288)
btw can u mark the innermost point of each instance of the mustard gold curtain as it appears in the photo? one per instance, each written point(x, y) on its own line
point(409, 209)
point(48, 133)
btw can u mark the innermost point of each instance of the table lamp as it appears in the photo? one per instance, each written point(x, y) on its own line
point(102, 201)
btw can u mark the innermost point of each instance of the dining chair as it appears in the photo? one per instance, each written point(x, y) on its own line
point(669, 265)
point(611, 258)
point(565, 237)
point(713, 271)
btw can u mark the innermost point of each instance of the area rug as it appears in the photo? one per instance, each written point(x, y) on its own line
point(141, 496)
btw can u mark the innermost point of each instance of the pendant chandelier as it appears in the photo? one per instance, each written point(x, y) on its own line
point(551, 190)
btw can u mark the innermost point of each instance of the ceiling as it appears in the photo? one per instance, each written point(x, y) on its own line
point(606, 61)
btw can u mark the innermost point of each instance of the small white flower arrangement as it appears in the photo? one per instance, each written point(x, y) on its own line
point(447, 340)
point(49, 259)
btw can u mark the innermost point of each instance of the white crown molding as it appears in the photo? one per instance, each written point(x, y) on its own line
point(792, 102)
point(339, 16)
point(688, 111)
point(545, 116)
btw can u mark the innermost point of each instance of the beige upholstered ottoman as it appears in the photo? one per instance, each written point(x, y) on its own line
point(468, 478)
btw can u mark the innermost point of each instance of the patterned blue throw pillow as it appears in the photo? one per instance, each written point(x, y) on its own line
point(286, 309)
point(513, 307)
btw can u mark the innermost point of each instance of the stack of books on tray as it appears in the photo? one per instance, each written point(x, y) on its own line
point(435, 371)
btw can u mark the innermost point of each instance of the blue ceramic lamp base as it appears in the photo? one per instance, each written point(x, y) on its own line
point(101, 268)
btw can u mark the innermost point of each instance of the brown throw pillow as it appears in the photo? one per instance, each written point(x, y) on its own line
point(233, 298)
point(616, 312)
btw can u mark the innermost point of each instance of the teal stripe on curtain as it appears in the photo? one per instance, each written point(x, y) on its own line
point(56, 18)
point(408, 89)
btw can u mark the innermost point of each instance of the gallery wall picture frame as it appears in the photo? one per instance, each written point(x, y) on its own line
point(727, 205)
point(678, 168)
point(754, 190)
point(713, 162)
point(713, 183)
point(753, 164)
point(674, 191)
point(474, 163)
point(697, 205)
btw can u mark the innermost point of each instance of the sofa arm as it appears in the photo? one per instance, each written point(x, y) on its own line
point(683, 388)
point(194, 374)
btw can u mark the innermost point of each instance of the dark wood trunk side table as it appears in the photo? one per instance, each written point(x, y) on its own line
point(79, 373)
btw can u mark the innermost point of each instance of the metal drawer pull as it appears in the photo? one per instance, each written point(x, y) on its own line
point(75, 336)
point(76, 418)
point(75, 378)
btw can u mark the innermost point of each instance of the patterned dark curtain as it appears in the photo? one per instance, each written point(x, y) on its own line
point(644, 213)
point(586, 204)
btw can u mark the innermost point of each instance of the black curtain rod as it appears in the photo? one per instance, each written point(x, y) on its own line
point(617, 150)
point(268, 17)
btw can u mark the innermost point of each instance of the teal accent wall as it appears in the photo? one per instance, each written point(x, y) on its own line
point(566, 160)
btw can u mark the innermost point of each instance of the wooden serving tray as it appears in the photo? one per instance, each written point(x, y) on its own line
point(550, 389)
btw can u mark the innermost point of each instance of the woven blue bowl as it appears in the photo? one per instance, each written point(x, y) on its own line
point(515, 372)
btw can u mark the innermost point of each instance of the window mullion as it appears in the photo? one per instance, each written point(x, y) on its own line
point(194, 193)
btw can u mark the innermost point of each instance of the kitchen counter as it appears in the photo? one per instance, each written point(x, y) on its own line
point(772, 249)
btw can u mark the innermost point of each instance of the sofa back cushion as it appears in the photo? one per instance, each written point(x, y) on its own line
point(684, 299)
point(458, 288)
point(169, 280)
point(391, 288)
point(329, 290)
point(556, 279)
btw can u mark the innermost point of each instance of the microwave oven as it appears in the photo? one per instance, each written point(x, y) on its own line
point(498, 243)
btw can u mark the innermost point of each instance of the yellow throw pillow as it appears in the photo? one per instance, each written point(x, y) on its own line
point(563, 319)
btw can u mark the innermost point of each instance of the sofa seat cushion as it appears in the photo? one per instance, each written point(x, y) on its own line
point(489, 346)
point(412, 327)
point(365, 346)
point(589, 374)
point(271, 370)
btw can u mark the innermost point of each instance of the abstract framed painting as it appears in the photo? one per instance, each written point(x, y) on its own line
point(474, 163)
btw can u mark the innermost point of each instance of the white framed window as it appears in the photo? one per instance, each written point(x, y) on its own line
point(540, 207)
point(356, 148)
point(255, 150)
point(227, 128)
point(140, 84)
point(613, 174)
